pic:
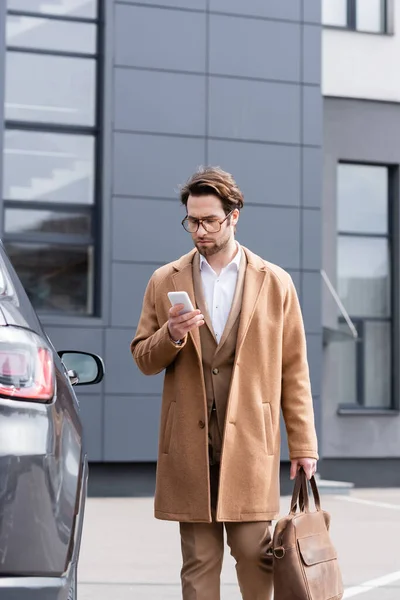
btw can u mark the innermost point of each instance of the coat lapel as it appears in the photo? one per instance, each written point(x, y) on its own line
point(183, 281)
point(255, 279)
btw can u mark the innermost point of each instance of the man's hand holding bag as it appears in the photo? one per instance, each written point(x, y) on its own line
point(305, 560)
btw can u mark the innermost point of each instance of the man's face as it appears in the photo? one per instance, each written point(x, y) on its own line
point(210, 208)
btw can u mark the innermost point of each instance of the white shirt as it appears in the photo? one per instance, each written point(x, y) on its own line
point(219, 291)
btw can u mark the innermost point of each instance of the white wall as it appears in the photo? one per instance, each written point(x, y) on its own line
point(362, 65)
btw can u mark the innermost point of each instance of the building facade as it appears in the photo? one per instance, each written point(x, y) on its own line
point(108, 107)
point(361, 226)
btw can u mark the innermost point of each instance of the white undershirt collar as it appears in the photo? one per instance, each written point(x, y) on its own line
point(235, 262)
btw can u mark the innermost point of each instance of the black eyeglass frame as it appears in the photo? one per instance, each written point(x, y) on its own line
point(201, 222)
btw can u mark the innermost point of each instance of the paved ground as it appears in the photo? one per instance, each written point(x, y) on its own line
point(127, 554)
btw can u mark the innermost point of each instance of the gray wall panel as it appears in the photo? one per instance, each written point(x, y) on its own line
point(311, 301)
point(254, 48)
point(85, 339)
point(311, 225)
point(266, 174)
point(261, 229)
point(160, 102)
point(188, 4)
point(276, 9)
point(131, 428)
point(123, 376)
point(136, 221)
point(150, 165)
point(311, 56)
point(312, 11)
point(256, 110)
point(129, 282)
point(160, 38)
point(312, 116)
point(312, 177)
point(314, 350)
point(284, 443)
point(348, 137)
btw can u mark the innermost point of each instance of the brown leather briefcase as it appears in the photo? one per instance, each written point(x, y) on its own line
point(305, 561)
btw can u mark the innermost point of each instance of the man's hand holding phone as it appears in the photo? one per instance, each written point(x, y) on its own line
point(179, 325)
point(182, 316)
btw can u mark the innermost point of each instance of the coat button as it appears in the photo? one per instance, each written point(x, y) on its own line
point(202, 424)
point(215, 371)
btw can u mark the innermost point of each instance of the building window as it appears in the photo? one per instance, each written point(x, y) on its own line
point(364, 268)
point(51, 151)
point(358, 15)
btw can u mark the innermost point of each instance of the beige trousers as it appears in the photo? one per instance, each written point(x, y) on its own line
point(202, 552)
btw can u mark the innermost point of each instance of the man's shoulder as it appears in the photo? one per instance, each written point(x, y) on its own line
point(275, 270)
point(163, 271)
point(167, 270)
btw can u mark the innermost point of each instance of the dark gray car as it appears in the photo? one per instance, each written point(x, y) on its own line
point(43, 465)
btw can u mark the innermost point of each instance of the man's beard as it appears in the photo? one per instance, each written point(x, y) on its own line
point(212, 249)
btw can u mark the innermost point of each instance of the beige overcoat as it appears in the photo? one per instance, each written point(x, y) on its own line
point(270, 373)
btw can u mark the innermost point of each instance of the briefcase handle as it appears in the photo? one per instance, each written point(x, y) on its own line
point(300, 494)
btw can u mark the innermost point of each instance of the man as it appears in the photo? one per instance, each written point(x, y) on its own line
point(231, 365)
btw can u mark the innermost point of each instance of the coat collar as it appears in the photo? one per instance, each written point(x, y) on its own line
point(252, 259)
point(184, 261)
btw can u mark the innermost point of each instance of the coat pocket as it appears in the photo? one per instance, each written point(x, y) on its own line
point(168, 428)
point(269, 434)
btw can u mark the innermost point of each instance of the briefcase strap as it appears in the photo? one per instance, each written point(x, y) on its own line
point(300, 494)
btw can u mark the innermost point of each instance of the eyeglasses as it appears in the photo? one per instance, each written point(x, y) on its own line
point(210, 224)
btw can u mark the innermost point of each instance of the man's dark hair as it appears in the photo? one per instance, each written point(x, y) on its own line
point(213, 180)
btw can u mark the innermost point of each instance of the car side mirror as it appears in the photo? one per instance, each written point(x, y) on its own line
point(83, 368)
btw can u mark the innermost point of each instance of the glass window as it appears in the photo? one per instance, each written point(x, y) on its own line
point(345, 359)
point(57, 278)
point(362, 199)
point(334, 13)
point(370, 15)
point(364, 265)
point(50, 34)
point(52, 167)
point(67, 8)
point(377, 364)
point(358, 15)
point(51, 150)
point(46, 221)
point(51, 89)
point(364, 276)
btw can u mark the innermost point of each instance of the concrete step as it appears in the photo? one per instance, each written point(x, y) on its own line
point(326, 486)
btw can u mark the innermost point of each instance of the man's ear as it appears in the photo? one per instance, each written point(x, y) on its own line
point(235, 216)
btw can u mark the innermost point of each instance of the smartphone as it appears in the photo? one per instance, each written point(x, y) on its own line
point(181, 298)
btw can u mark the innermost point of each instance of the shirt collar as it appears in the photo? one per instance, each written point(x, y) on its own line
point(235, 262)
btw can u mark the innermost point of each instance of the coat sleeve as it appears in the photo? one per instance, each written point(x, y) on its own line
point(297, 403)
point(152, 348)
